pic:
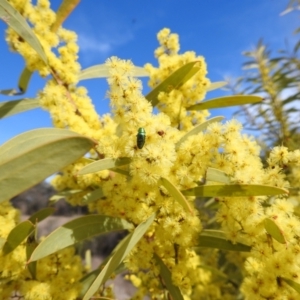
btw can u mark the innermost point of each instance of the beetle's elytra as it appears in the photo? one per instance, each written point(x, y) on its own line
point(141, 138)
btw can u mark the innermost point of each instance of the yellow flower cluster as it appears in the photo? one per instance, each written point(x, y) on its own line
point(174, 104)
point(138, 191)
point(57, 275)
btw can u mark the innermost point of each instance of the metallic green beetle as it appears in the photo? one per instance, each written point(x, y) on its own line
point(141, 138)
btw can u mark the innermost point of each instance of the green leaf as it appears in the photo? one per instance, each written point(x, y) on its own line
point(104, 164)
point(167, 279)
point(225, 102)
point(92, 196)
point(87, 280)
point(234, 190)
point(2, 242)
point(199, 128)
point(273, 229)
point(217, 176)
point(124, 247)
point(174, 81)
point(101, 71)
point(216, 239)
point(293, 284)
point(176, 194)
point(64, 194)
point(121, 171)
point(41, 214)
point(31, 244)
point(17, 235)
point(24, 80)
point(9, 108)
point(22, 84)
point(30, 157)
point(16, 21)
point(77, 230)
point(66, 7)
point(216, 85)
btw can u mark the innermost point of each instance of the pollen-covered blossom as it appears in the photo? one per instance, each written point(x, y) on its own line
point(136, 190)
point(174, 104)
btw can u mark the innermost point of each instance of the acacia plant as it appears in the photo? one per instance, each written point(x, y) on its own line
point(141, 170)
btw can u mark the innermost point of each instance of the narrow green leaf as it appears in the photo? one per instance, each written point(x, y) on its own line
point(92, 196)
point(225, 102)
point(216, 85)
point(10, 92)
point(199, 128)
point(31, 244)
point(22, 84)
point(64, 194)
point(87, 280)
point(293, 284)
point(234, 190)
point(217, 175)
point(176, 194)
point(2, 242)
point(121, 171)
point(24, 80)
point(16, 21)
point(124, 247)
point(77, 230)
point(30, 157)
point(216, 239)
point(66, 7)
point(273, 229)
point(9, 108)
point(174, 81)
point(102, 71)
point(104, 164)
point(41, 214)
point(167, 278)
point(17, 235)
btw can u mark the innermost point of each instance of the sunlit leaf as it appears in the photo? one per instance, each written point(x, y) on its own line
point(174, 81)
point(65, 194)
point(24, 80)
point(216, 175)
point(92, 196)
point(167, 279)
point(176, 194)
point(124, 248)
point(77, 230)
point(199, 128)
point(41, 214)
point(16, 21)
point(234, 190)
point(121, 171)
point(216, 239)
point(102, 71)
point(22, 84)
point(225, 102)
point(293, 284)
point(273, 229)
point(216, 85)
point(87, 280)
point(9, 108)
point(30, 157)
point(17, 235)
point(104, 164)
point(66, 7)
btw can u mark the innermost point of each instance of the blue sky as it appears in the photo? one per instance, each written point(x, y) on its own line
point(217, 29)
